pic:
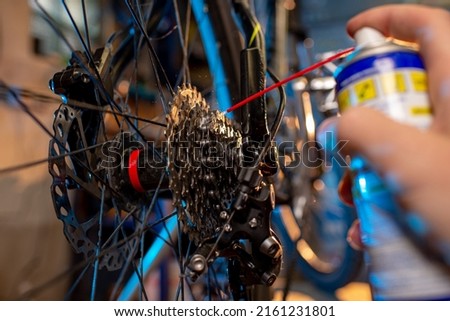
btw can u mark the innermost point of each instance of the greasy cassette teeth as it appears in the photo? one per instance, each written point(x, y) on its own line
point(203, 156)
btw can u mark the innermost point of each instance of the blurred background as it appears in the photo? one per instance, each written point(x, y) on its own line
point(32, 246)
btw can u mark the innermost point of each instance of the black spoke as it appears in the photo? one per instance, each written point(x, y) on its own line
point(87, 106)
point(25, 108)
point(183, 38)
point(99, 241)
point(156, 63)
point(85, 45)
point(77, 281)
point(46, 160)
point(5, 93)
point(86, 26)
point(53, 24)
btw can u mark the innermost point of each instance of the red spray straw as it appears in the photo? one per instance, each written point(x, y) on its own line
point(290, 78)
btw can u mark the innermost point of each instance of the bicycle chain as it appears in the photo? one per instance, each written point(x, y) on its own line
point(203, 156)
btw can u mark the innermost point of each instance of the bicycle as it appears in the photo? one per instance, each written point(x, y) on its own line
point(96, 151)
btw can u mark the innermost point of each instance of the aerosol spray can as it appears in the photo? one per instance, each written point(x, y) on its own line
point(391, 78)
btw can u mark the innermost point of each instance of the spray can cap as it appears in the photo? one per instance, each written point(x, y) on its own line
point(367, 36)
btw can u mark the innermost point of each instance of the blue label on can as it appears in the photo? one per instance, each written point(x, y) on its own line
point(394, 83)
point(370, 66)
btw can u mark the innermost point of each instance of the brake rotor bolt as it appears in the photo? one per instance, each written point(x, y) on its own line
point(253, 223)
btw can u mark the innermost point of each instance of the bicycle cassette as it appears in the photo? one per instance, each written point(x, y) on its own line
point(203, 157)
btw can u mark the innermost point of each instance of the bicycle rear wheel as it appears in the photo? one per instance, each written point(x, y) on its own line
point(126, 141)
point(116, 220)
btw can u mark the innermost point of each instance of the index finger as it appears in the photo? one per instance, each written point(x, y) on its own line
point(429, 28)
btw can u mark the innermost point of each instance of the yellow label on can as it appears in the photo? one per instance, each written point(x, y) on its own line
point(365, 90)
point(419, 81)
point(400, 94)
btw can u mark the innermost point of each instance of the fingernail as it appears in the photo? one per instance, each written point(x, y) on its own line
point(354, 236)
point(353, 244)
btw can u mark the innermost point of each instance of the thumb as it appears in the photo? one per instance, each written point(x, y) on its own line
point(389, 146)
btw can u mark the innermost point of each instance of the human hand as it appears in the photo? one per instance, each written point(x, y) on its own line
point(414, 163)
